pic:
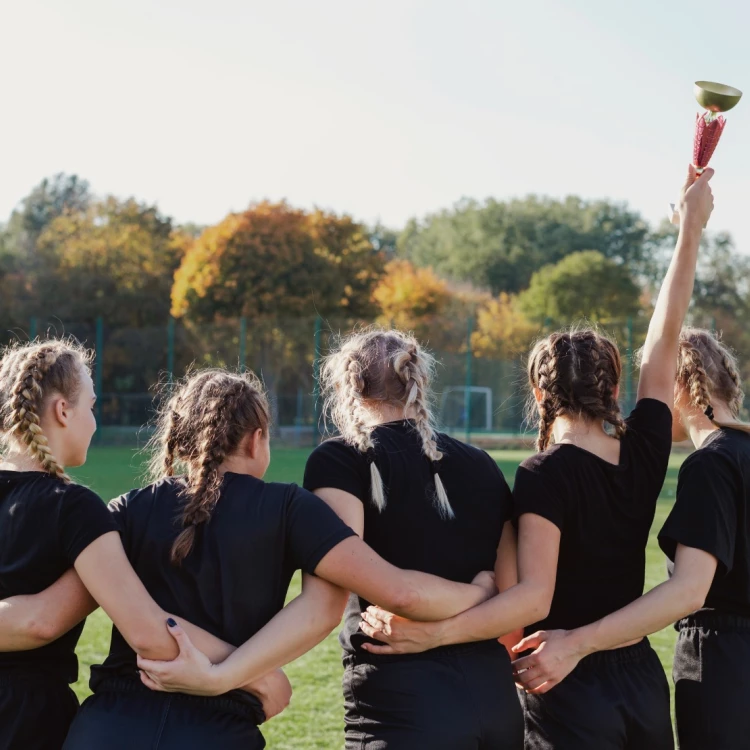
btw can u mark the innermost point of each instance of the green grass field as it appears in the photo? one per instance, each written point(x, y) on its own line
point(315, 718)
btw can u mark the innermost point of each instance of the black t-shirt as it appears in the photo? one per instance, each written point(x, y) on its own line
point(236, 577)
point(712, 513)
point(604, 513)
point(410, 533)
point(44, 525)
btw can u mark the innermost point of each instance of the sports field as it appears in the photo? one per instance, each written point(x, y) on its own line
point(315, 717)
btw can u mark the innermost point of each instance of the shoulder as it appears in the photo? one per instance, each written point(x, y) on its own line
point(710, 458)
point(335, 447)
point(78, 495)
point(650, 413)
point(548, 460)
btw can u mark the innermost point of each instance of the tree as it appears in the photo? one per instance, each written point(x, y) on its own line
point(584, 285)
point(53, 197)
point(499, 245)
point(113, 259)
point(502, 330)
point(407, 296)
point(276, 260)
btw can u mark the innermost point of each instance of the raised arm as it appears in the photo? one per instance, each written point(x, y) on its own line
point(521, 603)
point(558, 652)
point(659, 360)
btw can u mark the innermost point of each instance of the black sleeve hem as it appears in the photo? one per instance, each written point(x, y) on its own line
point(331, 541)
point(668, 545)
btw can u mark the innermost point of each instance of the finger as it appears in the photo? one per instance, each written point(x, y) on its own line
point(545, 688)
point(183, 640)
point(525, 662)
point(151, 666)
point(534, 684)
point(375, 649)
point(380, 614)
point(708, 173)
point(692, 176)
point(530, 641)
point(150, 683)
point(369, 630)
point(373, 622)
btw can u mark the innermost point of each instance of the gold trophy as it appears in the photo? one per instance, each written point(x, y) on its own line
point(709, 125)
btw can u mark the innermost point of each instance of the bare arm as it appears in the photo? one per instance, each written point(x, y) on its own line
point(297, 628)
point(519, 605)
point(558, 652)
point(356, 567)
point(659, 361)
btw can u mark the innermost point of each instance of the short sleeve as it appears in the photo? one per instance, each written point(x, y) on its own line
point(338, 465)
point(704, 515)
point(532, 494)
point(83, 519)
point(118, 509)
point(312, 529)
point(503, 490)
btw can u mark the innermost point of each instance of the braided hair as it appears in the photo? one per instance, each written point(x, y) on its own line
point(201, 425)
point(29, 375)
point(707, 370)
point(390, 367)
point(577, 373)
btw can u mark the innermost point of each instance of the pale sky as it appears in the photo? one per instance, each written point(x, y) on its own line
point(381, 110)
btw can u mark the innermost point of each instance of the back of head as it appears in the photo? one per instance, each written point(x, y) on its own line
point(707, 372)
point(202, 423)
point(30, 374)
point(387, 367)
point(577, 374)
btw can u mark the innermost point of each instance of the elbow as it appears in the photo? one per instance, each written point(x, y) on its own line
point(43, 630)
point(694, 600)
point(330, 612)
point(539, 606)
point(403, 600)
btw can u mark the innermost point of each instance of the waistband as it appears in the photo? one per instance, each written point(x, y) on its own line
point(624, 655)
point(249, 708)
point(32, 679)
point(458, 649)
point(712, 620)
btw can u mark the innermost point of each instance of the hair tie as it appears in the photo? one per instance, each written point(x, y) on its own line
point(709, 412)
point(370, 455)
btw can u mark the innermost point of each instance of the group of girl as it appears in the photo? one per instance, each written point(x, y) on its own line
point(439, 567)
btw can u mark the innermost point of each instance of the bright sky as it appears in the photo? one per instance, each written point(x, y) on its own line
point(381, 110)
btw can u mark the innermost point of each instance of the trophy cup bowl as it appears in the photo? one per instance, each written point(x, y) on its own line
point(716, 97)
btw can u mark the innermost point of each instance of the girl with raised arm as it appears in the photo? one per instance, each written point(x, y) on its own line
point(423, 500)
point(595, 496)
point(707, 540)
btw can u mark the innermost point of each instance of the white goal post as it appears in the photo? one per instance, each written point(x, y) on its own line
point(448, 391)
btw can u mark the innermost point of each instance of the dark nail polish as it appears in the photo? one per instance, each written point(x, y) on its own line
point(171, 622)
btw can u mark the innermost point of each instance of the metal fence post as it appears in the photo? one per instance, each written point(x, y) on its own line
point(467, 391)
point(99, 374)
point(33, 326)
point(316, 381)
point(631, 367)
point(243, 337)
point(170, 350)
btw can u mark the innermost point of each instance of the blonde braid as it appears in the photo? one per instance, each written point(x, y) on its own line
point(738, 396)
point(27, 398)
point(405, 366)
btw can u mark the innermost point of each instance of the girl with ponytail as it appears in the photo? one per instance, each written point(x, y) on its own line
point(590, 495)
point(707, 540)
point(212, 541)
point(422, 500)
point(60, 552)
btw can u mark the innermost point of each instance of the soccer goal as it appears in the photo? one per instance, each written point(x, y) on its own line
point(460, 404)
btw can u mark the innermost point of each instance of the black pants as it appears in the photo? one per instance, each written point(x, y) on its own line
point(124, 715)
point(613, 700)
point(35, 712)
point(712, 682)
point(460, 698)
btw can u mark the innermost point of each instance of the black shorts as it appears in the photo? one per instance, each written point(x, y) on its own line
point(35, 711)
point(459, 698)
point(613, 700)
point(712, 682)
point(125, 715)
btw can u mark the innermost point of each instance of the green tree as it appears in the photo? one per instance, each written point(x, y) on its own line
point(584, 285)
point(498, 245)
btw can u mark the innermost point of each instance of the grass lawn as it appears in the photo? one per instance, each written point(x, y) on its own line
point(315, 718)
